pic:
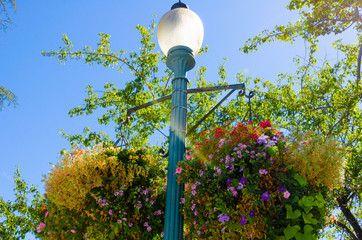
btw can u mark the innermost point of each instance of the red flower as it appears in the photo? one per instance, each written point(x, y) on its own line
point(265, 124)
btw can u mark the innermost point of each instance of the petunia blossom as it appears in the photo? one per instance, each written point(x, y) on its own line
point(178, 170)
point(252, 214)
point(265, 196)
point(262, 139)
point(243, 220)
point(228, 182)
point(243, 180)
point(188, 157)
point(263, 172)
point(40, 227)
point(286, 194)
point(223, 218)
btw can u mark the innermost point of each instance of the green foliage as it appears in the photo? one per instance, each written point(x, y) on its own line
point(5, 20)
point(239, 184)
point(7, 96)
point(20, 216)
point(145, 82)
point(323, 96)
point(104, 193)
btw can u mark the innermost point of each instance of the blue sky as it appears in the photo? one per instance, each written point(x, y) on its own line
point(46, 90)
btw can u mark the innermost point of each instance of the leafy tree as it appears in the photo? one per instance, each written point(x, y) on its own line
point(321, 96)
point(5, 19)
point(324, 97)
point(20, 216)
point(7, 96)
point(143, 85)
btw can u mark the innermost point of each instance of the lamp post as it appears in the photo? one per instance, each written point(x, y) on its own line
point(180, 34)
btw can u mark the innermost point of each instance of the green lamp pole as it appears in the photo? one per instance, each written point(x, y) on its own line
point(180, 34)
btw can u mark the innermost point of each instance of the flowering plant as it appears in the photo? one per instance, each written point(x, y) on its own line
point(239, 185)
point(104, 194)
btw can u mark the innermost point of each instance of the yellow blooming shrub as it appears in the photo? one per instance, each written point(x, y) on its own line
point(320, 161)
point(103, 193)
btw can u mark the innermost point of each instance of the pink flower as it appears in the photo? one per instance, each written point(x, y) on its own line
point(110, 212)
point(188, 157)
point(119, 221)
point(263, 172)
point(40, 227)
point(286, 194)
point(149, 228)
point(73, 231)
point(178, 170)
point(46, 214)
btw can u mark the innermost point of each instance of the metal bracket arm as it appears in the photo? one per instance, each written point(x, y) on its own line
point(195, 90)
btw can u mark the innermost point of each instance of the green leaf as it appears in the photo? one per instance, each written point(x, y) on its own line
point(292, 214)
point(301, 180)
point(291, 231)
point(307, 203)
point(308, 218)
point(308, 230)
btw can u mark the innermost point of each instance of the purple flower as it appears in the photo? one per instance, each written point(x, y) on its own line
point(110, 212)
point(265, 196)
point(252, 214)
point(158, 212)
point(119, 221)
point(223, 218)
point(243, 180)
point(243, 220)
point(149, 228)
point(130, 224)
point(281, 189)
point(228, 182)
point(262, 139)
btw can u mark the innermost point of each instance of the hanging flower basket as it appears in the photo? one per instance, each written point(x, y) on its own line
point(240, 183)
point(104, 194)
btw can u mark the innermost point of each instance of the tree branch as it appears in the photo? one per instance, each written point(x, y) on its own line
point(342, 201)
point(345, 228)
point(359, 65)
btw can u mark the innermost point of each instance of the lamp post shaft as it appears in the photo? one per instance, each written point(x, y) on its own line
point(179, 60)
